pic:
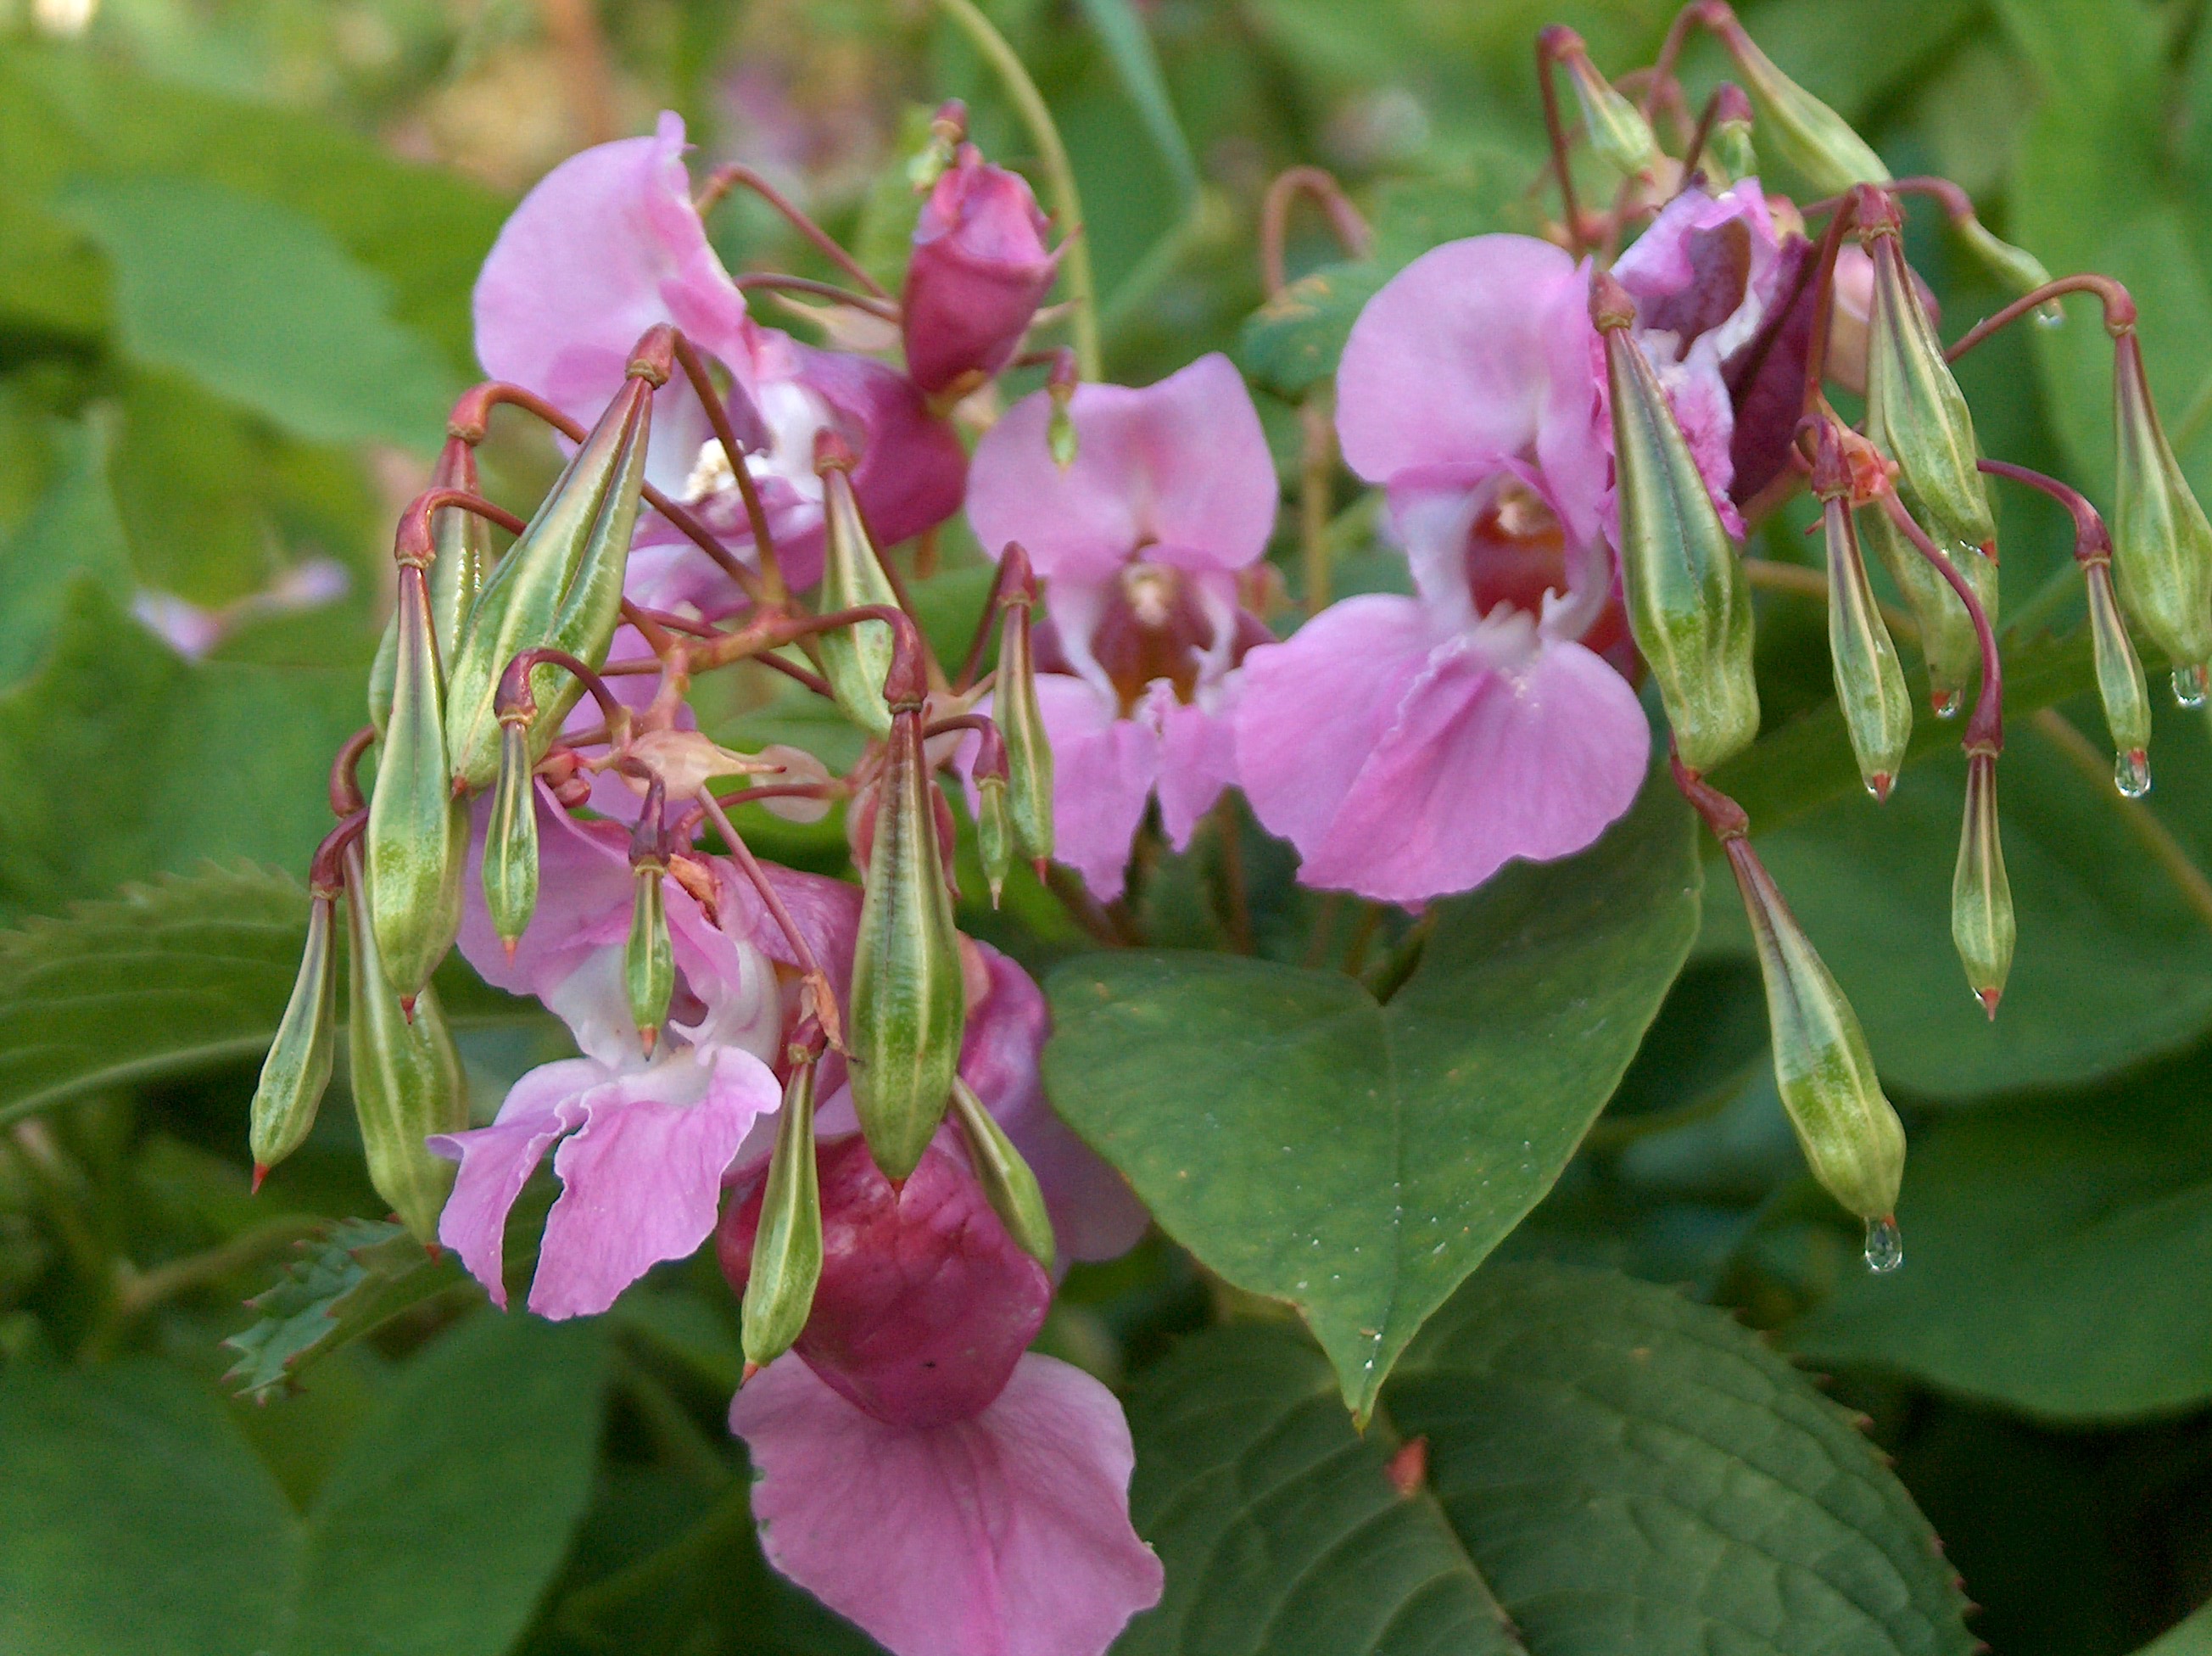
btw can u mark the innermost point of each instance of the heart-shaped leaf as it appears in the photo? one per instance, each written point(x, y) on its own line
point(1356, 1158)
point(1566, 1462)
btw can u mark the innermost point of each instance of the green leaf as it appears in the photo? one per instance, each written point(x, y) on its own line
point(73, 531)
point(139, 1521)
point(1608, 1468)
point(259, 303)
point(1358, 1159)
point(356, 1276)
point(1129, 49)
point(2057, 1258)
point(1292, 343)
point(178, 975)
point(2191, 1637)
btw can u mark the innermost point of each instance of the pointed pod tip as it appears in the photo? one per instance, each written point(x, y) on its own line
point(510, 944)
point(1879, 785)
point(744, 1377)
point(1989, 998)
point(1042, 865)
point(647, 1035)
point(407, 1007)
point(260, 1172)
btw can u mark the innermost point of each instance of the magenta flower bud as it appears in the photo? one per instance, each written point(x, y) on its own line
point(979, 269)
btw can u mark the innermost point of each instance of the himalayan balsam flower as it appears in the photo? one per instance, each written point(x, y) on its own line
point(979, 269)
point(1139, 543)
point(607, 245)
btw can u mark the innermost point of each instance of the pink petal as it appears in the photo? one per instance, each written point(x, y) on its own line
point(1094, 1214)
point(1450, 364)
point(642, 1181)
point(1197, 760)
point(1313, 707)
point(1482, 765)
point(979, 271)
point(1005, 1535)
point(583, 901)
point(1182, 463)
point(1103, 770)
point(496, 1162)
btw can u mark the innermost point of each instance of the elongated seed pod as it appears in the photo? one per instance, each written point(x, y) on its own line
point(1982, 924)
point(1020, 719)
point(648, 957)
point(1869, 682)
point(2162, 543)
point(298, 1067)
point(1948, 642)
point(510, 858)
point(2120, 683)
point(855, 659)
point(1797, 126)
point(786, 1255)
point(1008, 1184)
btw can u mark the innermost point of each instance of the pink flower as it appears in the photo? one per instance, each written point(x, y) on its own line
point(1139, 543)
point(915, 1471)
point(1409, 747)
point(979, 269)
point(609, 244)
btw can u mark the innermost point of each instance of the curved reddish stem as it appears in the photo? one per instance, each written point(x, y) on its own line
point(2119, 309)
point(1283, 190)
point(515, 696)
point(1985, 729)
point(346, 796)
point(722, 178)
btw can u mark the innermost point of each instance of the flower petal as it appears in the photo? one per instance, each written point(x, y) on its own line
point(1483, 766)
point(496, 1162)
point(1005, 1535)
point(583, 901)
point(1197, 760)
point(1184, 463)
point(642, 1181)
point(1103, 770)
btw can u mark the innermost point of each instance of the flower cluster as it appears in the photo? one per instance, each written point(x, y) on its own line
point(827, 1077)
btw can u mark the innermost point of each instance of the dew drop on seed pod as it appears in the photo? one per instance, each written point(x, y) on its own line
point(2189, 684)
point(1945, 704)
point(1885, 1247)
point(2131, 772)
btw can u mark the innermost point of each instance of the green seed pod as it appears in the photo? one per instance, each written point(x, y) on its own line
point(462, 542)
point(2017, 268)
point(406, 1074)
point(1851, 1137)
point(1689, 604)
point(1728, 154)
point(786, 1260)
point(994, 833)
point(649, 956)
point(1947, 641)
point(2120, 684)
point(908, 1004)
point(855, 659)
point(1620, 136)
point(417, 844)
point(559, 585)
point(1798, 127)
point(1982, 925)
point(1870, 683)
point(298, 1066)
point(1916, 413)
point(2161, 543)
point(1008, 1184)
point(510, 859)
point(1020, 720)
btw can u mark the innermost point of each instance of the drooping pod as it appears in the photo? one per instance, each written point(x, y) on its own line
point(1948, 642)
point(2120, 683)
point(1982, 924)
point(854, 658)
point(1618, 134)
point(1869, 682)
point(2162, 543)
point(787, 1253)
point(298, 1067)
point(1728, 153)
point(648, 955)
point(560, 585)
point(510, 858)
point(908, 1003)
point(1016, 711)
point(406, 1076)
point(1008, 1184)
point(417, 844)
point(461, 540)
point(1689, 603)
point(1797, 126)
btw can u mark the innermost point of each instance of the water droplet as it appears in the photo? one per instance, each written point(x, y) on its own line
point(2190, 684)
point(2131, 772)
point(1885, 1247)
point(2050, 312)
point(1945, 704)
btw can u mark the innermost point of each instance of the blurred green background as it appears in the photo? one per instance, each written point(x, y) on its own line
point(236, 245)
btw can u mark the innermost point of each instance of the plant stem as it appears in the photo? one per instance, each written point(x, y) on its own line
point(1059, 176)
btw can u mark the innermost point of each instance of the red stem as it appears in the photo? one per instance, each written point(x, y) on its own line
point(1352, 229)
point(515, 696)
point(718, 184)
point(1985, 729)
point(717, 417)
point(1549, 44)
point(2119, 309)
point(2092, 542)
point(346, 796)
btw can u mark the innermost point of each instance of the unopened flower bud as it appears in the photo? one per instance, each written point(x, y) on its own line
point(908, 1003)
point(298, 1066)
point(560, 584)
point(1982, 924)
point(648, 956)
point(1728, 154)
point(1851, 1137)
point(1797, 125)
point(2120, 684)
point(1869, 682)
point(406, 1076)
point(1020, 719)
point(855, 659)
point(1689, 604)
point(2161, 543)
point(1620, 136)
point(1916, 413)
point(979, 271)
point(510, 858)
point(786, 1250)
point(1008, 1184)
point(417, 839)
